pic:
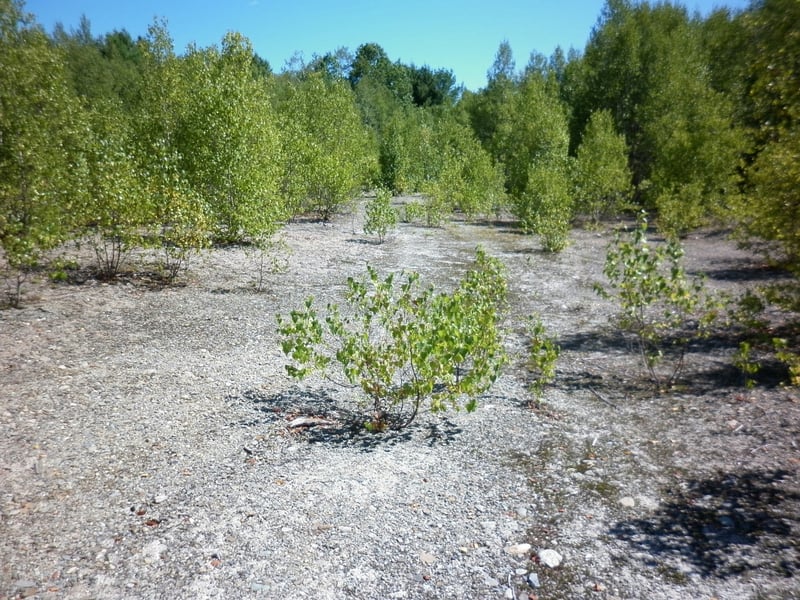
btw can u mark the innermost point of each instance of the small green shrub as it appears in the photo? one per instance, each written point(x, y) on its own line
point(747, 364)
point(432, 211)
point(789, 358)
point(381, 215)
point(543, 356)
point(270, 255)
point(662, 308)
point(754, 315)
point(436, 211)
point(545, 208)
point(404, 345)
point(413, 211)
point(59, 269)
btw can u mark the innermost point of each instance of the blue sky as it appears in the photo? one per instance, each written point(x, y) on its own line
point(460, 35)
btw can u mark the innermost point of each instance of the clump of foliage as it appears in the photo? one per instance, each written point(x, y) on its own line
point(791, 359)
point(463, 174)
point(41, 165)
point(662, 308)
point(600, 174)
point(413, 211)
point(327, 151)
point(543, 356)
point(744, 361)
point(769, 330)
point(381, 215)
point(430, 210)
point(404, 345)
point(547, 205)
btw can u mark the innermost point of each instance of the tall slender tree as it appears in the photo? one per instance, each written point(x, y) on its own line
point(42, 131)
point(228, 141)
point(328, 152)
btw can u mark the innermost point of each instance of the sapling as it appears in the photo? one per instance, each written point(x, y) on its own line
point(659, 305)
point(543, 356)
point(405, 345)
point(381, 215)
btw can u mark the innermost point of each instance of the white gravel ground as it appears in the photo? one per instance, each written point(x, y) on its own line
point(145, 452)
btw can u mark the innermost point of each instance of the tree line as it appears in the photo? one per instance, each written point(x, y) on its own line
point(124, 143)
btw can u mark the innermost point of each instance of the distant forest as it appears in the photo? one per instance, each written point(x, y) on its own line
point(123, 143)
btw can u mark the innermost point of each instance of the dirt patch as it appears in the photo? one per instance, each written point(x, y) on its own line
point(145, 450)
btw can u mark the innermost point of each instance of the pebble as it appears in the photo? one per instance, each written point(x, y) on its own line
point(627, 502)
point(427, 558)
point(533, 580)
point(518, 549)
point(648, 503)
point(550, 558)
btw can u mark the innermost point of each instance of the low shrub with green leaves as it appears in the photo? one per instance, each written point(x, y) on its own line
point(381, 215)
point(403, 345)
point(545, 208)
point(662, 308)
point(543, 356)
point(413, 211)
point(758, 315)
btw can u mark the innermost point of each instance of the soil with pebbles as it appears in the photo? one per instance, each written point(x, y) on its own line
point(146, 452)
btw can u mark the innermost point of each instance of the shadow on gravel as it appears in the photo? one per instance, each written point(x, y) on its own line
point(724, 525)
point(594, 340)
point(753, 273)
point(712, 354)
point(341, 426)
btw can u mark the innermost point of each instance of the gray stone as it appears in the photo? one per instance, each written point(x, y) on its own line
point(22, 584)
point(533, 580)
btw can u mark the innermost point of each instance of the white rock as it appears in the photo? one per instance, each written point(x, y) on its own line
point(647, 502)
point(427, 558)
point(152, 552)
point(627, 502)
point(489, 525)
point(518, 549)
point(550, 558)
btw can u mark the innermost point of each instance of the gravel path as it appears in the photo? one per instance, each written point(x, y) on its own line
point(145, 450)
